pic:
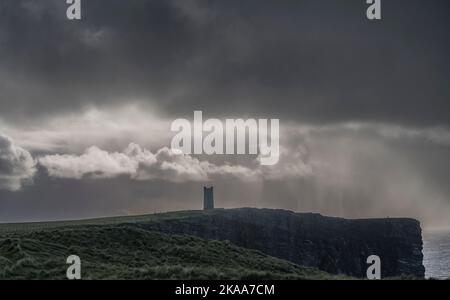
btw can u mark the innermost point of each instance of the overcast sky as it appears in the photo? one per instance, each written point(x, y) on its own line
point(86, 106)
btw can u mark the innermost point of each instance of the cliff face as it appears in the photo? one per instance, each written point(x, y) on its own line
point(334, 245)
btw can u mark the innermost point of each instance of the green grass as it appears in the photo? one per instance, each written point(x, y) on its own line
point(126, 252)
point(39, 226)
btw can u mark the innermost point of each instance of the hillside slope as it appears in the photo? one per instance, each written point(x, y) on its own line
point(333, 245)
point(124, 252)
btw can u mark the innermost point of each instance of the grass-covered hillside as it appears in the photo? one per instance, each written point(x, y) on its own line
point(110, 249)
point(7, 228)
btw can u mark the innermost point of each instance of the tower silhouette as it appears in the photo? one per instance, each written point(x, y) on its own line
point(208, 198)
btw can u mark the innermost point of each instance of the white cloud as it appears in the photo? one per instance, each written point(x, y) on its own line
point(108, 129)
point(16, 165)
point(94, 162)
point(140, 164)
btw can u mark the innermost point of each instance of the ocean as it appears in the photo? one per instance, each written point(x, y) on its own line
point(436, 252)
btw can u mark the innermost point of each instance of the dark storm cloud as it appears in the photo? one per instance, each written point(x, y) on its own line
point(314, 61)
point(317, 65)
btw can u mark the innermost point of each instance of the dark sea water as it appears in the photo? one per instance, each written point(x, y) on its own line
point(436, 252)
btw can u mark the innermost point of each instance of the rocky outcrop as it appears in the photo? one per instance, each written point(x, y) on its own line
point(334, 245)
